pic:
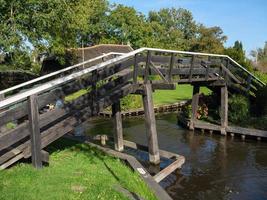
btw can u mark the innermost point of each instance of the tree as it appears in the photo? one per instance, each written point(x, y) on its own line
point(35, 26)
point(209, 40)
point(125, 26)
point(260, 56)
point(176, 26)
point(238, 54)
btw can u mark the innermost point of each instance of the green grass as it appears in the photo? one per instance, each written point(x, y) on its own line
point(182, 92)
point(76, 171)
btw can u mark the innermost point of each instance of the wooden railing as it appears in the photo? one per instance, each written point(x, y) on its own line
point(103, 85)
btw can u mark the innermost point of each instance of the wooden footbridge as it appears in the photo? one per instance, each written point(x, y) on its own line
point(139, 72)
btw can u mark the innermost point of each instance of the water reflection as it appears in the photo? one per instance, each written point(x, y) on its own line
point(216, 167)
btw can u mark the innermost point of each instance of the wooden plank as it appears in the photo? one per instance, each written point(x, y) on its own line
point(195, 100)
point(45, 156)
point(35, 135)
point(224, 109)
point(169, 169)
point(151, 130)
point(164, 86)
point(117, 121)
point(207, 126)
point(247, 131)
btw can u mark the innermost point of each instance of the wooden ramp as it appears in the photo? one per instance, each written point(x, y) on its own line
point(99, 86)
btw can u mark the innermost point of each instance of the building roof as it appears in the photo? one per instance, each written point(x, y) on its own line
point(98, 50)
point(51, 64)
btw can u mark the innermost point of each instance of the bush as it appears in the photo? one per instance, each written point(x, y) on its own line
point(238, 109)
point(260, 102)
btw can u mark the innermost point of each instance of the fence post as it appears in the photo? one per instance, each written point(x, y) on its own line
point(118, 134)
point(35, 134)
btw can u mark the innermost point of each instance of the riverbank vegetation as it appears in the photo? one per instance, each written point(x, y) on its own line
point(76, 171)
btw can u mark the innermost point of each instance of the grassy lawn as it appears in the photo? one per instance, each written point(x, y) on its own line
point(182, 92)
point(76, 171)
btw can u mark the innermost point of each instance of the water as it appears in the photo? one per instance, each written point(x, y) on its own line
point(216, 167)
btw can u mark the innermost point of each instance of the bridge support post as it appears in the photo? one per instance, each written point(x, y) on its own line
point(224, 109)
point(151, 130)
point(117, 121)
point(35, 134)
point(195, 100)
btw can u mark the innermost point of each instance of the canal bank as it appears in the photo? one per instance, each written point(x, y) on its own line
point(216, 167)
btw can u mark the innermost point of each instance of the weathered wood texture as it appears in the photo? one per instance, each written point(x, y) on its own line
point(195, 100)
point(117, 121)
point(151, 125)
point(224, 109)
point(35, 135)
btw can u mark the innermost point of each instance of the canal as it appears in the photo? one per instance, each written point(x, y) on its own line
point(216, 167)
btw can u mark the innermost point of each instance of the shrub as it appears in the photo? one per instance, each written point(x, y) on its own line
point(260, 102)
point(238, 108)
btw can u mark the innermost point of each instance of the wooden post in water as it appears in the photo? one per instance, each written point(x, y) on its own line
point(224, 109)
point(151, 130)
point(118, 135)
point(195, 100)
point(35, 134)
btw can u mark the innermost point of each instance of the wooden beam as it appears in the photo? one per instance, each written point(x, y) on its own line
point(224, 109)
point(172, 61)
point(158, 72)
point(147, 68)
point(195, 100)
point(35, 132)
point(151, 130)
point(117, 121)
point(136, 66)
point(169, 169)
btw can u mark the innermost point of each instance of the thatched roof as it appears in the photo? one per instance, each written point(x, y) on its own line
point(51, 64)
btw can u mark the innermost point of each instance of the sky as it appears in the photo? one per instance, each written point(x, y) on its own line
point(243, 20)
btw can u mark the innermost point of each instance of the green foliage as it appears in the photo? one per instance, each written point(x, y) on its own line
point(238, 54)
point(260, 105)
point(238, 109)
point(209, 40)
point(131, 102)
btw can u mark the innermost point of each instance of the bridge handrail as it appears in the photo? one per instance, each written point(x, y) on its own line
point(56, 73)
point(16, 98)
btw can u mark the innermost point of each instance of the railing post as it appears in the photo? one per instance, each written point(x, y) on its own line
point(195, 100)
point(191, 68)
point(224, 109)
point(35, 134)
point(2, 97)
point(151, 129)
point(171, 67)
point(135, 73)
point(94, 92)
point(118, 134)
point(147, 69)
